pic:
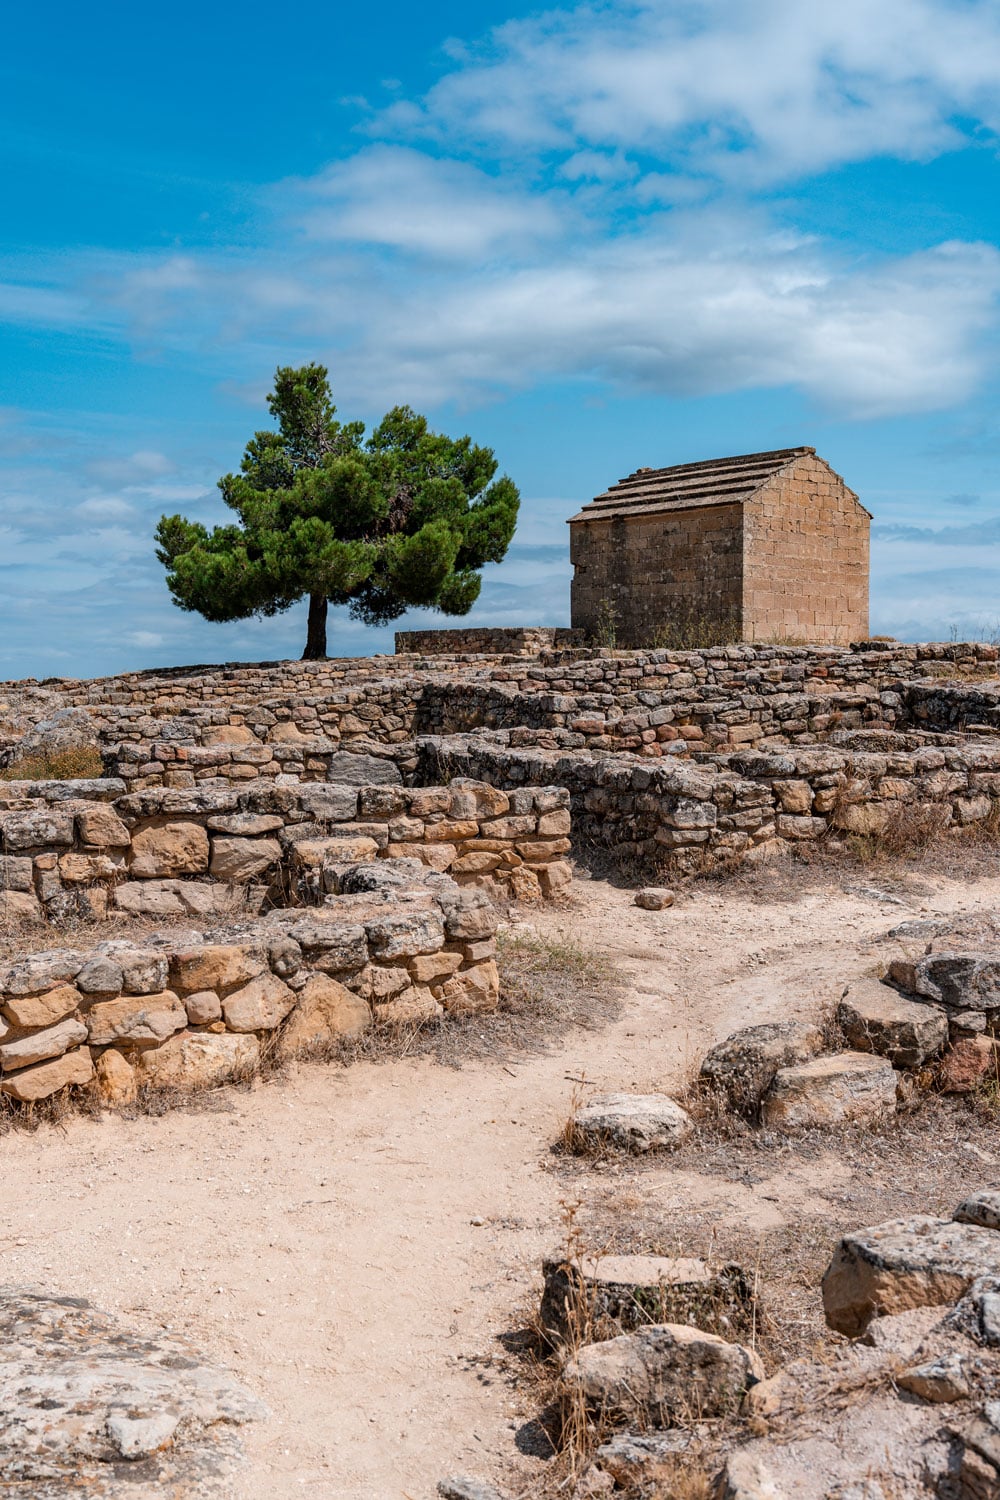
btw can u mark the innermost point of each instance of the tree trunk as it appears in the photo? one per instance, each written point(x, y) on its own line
point(316, 634)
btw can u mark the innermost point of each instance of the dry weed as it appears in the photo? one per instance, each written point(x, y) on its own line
point(81, 763)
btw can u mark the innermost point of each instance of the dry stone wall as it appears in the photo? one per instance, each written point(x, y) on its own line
point(397, 944)
point(82, 848)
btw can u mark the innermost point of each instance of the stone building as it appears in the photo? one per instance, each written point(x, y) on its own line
point(762, 547)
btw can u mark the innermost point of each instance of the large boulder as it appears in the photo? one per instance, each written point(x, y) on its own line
point(631, 1290)
point(632, 1122)
point(325, 1011)
point(847, 1087)
point(875, 1018)
point(91, 1407)
point(661, 1374)
point(258, 1006)
point(744, 1065)
point(904, 1263)
point(240, 859)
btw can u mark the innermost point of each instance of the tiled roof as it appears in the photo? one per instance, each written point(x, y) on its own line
point(716, 481)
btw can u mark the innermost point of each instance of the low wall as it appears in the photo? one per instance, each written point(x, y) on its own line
point(190, 1010)
point(691, 812)
point(526, 640)
point(71, 848)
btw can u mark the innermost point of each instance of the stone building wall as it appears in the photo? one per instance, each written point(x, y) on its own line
point(636, 577)
point(486, 640)
point(188, 1010)
point(805, 558)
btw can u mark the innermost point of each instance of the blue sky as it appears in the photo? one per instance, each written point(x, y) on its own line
point(595, 237)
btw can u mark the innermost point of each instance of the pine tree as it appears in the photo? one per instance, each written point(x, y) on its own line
point(406, 517)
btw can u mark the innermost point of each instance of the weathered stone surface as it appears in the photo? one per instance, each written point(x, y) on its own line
point(412, 1007)
point(37, 829)
point(325, 1011)
point(633, 1122)
point(42, 1010)
point(214, 966)
point(103, 975)
point(333, 946)
point(15, 873)
point(472, 991)
point(245, 824)
point(115, 1075)
point(242, 858)
point(102, 828)
point(642, 1460)
point(966, 1064)
point(849, 1086)
point(258, 1006)
point(982, 1208)
point(632, 1290)
point(744, 1065)
point(469, 914)
point(52, 1042)
point(169, 849)
point(904, 1263)
point(198, 1060)
point(959, 981)
point(203, 1007)
point(135, 1019)
point(663, 1373)
point(432, 968)
point(405, 934)
point(362, 770)
point(875, 1018)
point(184, 898)
point(21, 906)
point(654, 898)
point(90, 1408)
point(48, 1078)
point(457, 1487)
point(38, 972)
point(144, 970)
point(939, 1379)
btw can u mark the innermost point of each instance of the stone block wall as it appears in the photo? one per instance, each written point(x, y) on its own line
point(186, 1010)
point(82, 848)
point(486, 640)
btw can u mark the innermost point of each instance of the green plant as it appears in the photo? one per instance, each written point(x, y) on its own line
point(408, 517)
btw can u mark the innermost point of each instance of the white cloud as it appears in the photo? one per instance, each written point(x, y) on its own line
point(105, 508)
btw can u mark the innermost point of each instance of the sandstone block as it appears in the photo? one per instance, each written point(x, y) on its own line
point(525, 886)
point(431, 968)
point(203, 1007)
point(169, 849)
point(53, 1041)
point(540, 851)
point(633, 1122)
point(554, 878)
point(472, 991)
point(245, 824)
point(135, 1019)
point(144, 970)
point(42, 1010)
point(48, 1078)
point(20, 906)
point(744, 1064)
point(102, 828)
point(325, 1010)
point(198, 1060)
point(116, 1080)
point(214, 966)
point(241, 859)
point(663, 1373)
point(81, 869)
point(849, 1086)
point(653, 898)
point(875, 1018)
point(15, 873)
point(413, 1007)
point(939, 1379)
point(258, 1006)
point(468, 915)
point(904, 1263)
point(475, 864)
point(556, 824)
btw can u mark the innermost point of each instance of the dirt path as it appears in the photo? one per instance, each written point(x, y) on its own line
point(352, 1241)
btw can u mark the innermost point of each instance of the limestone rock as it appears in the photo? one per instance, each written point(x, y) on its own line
point(116, 1081)
point(101, 828)
point(203, 1007)
point(745, 1477)
point(904, 1263)
point(744, 1065)
point(631, 1290)
point(43, 1010)
point(241, 859)
point(214, 966)
point(939, 1379)
point(849, 1086)
point(468, 915)
point(457, 1487)
point(471, 992)
point(654, 898)
point(184, 898)
point(362, 770)
point(982, 1208)
point(326, 1010)
point(633, 1122)
point(48, 1078)
point(89, 1407)
point(144, 970)
point(169, 849)
point(52, 1042)
point(38, 972)
point(640, 1461)
point(20, 906)
point(663, 1373)
point(135, 1019)
point(413, 1007)
point(405, 934)
point(875, 1018)
point(198, 1060)
point(258, 1006)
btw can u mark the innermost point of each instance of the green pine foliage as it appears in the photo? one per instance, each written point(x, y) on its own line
point(404, 517)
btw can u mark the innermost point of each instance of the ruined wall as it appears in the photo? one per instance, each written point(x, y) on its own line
point(805, 558)
point(486, 640)
point(645, 576)
point(194, 1009)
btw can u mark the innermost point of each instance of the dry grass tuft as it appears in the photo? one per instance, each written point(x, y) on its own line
point(83, 762)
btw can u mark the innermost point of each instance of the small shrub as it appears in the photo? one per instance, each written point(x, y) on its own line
point(82, 762)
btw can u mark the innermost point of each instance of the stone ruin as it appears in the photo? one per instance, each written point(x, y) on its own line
point(292, 810)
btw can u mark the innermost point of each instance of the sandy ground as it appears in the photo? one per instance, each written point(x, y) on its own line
point(352, 1241)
